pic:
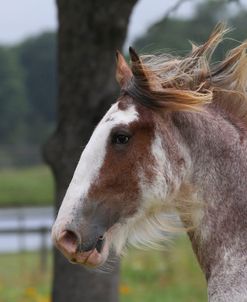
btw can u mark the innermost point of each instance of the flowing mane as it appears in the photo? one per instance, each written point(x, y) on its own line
point(188, 83)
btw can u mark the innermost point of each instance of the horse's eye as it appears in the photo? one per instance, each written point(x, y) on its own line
point(120, 139)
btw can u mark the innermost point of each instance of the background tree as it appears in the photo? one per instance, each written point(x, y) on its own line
point(89, 33)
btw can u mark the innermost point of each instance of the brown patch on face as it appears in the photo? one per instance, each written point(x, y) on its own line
point(124, 102)
point(116, 189)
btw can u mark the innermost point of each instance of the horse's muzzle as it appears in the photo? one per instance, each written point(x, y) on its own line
point(92, 251)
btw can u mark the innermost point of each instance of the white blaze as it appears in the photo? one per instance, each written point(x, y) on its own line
point(92, 160)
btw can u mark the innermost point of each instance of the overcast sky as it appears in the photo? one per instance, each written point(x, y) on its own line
point(20, 19)
point(23, 18)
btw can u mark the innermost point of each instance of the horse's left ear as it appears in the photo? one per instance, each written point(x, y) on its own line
point(137, 67)
point(144, 76)
point(123, 71)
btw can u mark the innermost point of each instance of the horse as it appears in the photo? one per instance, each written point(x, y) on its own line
point(175, 141)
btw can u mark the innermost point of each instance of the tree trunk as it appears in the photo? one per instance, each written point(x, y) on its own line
point(89, 33)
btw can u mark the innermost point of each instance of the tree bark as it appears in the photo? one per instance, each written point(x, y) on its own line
point(89, 33)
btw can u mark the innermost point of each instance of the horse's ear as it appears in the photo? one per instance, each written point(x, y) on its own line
point(123, 71)
point(144, 76)
point(136, 65)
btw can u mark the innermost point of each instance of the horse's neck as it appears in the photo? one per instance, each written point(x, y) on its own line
point(218, 150)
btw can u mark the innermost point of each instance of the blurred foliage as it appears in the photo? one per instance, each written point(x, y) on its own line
point(26, 187)
point(27, 93)
point(173, 35)
point(13, 100)
point(38, 58)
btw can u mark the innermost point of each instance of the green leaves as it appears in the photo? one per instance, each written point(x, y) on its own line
point(27, 92)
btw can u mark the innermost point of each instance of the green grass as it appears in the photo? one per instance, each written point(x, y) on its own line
point(26, 187)
point(171, 276)
point(21, 279)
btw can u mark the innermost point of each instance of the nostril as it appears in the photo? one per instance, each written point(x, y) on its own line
point(68, 241)
point(71, 237)
point(100, 244)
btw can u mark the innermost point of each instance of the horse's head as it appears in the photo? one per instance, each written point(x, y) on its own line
point(130, 168)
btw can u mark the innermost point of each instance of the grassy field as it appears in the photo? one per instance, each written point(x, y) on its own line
point(21, 279)
point(171, 276)
point(26, 187)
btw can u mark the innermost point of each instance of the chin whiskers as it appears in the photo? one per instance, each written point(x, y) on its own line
point(110, 265)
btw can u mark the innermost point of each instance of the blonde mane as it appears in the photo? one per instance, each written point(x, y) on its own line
point(188, 83)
